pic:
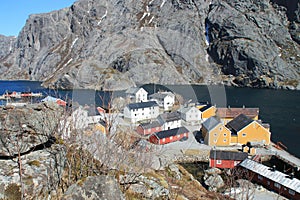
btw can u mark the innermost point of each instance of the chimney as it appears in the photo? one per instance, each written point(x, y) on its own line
point(292, 175)
point(273, 169)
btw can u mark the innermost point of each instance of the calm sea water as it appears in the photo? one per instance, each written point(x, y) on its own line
point(279, 108)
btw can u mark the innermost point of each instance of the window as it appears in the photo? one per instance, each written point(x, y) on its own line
point(220, 128)
point(268, 182)
point(156, 128)
point(219, 162)
point(292, 192)
point(215, 134)
point(164, 139)
point(225, 134)
point(244, 134)
point(260, 177)
point(171, 138)
point(224, 140)
point(149, 130)
point(277, 185)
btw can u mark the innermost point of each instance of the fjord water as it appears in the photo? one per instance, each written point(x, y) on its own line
point(279, 108)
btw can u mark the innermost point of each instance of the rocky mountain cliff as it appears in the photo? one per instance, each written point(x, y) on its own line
point(116, 44)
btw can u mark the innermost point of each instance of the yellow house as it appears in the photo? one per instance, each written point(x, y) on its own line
point(244, 129)
point(207, 112)
point(228, 114)
point(215, 133)
point(101, 126)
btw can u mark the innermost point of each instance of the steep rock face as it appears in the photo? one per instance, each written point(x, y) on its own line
point(116, 44)
point(6, 45)
point(251, 42)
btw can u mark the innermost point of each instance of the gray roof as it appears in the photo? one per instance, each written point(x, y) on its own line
point(160, 95)
point(228, 155)
point(150, 125)
point(186, 109)
point(211, 123)
point(142, 105)
point(171, 132)
point(238, 123)
point(205, 107)
point(170, 116)
point(133, 90)
point(276, 176)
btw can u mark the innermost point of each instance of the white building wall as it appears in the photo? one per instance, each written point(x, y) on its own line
point(168, 102)
point(141, 95)
point(140, 114)
point(172, 125)
point(192, 115)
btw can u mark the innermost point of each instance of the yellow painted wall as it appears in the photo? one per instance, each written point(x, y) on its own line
point(254, 133)
point(101, 128)
point(234, 139)
point(219, 136)
point(209, 112)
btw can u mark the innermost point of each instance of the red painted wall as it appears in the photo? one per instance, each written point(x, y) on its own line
point(224, 163)
point(173, 139)
point(142, 131)
point(153, 139)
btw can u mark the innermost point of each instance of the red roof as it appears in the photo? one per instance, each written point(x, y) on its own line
point(234, 112)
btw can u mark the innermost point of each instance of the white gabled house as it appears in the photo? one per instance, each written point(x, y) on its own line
point(78, 120)
point(165, 100)
point(190, 114)
point(169, 120)
point(141, 111)
point(137, 95)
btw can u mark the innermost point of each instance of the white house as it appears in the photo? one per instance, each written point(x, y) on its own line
point(170, 120)
point(190, 114)
point(137, 95)
point(79, 120)
point(141, 111)
point(165, 100)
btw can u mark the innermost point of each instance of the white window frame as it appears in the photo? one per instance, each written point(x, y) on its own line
point(219, 162)
point(292, 192)
point(277, 185)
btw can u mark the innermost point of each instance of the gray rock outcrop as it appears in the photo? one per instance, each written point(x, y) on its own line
point(97, 187)
point(116, 44)
point(31, 161)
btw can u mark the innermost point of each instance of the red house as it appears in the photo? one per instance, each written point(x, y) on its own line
point(149, 128)
point(226, 159)
point(168, 136)
point(284, 184)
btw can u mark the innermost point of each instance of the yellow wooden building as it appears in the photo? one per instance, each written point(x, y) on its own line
point(240, 130)
point(244, 129)
point(101, 126)
point(215, 133)
point(207, 112)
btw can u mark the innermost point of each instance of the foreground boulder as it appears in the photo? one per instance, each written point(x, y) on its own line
point(97, 187)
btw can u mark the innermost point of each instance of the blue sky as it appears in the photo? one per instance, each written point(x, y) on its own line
point(13, 13)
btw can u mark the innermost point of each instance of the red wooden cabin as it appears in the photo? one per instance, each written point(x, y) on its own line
point(168, 136)
point(149, 128)
point(226, 159)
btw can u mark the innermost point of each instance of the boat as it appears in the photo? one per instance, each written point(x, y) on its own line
point(19, 95)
